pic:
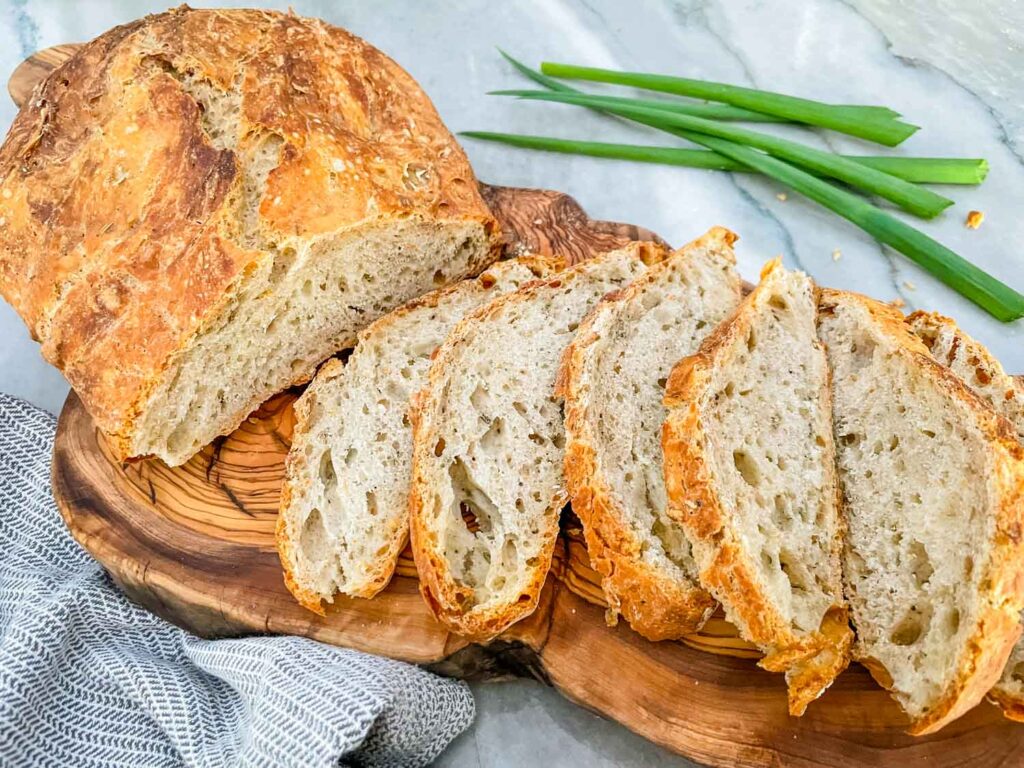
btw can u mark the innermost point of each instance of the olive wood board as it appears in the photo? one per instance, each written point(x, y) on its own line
point(195, 544)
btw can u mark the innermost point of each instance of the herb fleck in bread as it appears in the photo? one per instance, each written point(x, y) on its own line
point(488, 446)
point(613, 378)
point(932, 483)
point(976, 367)
point(344, 511)
point(201, 206)
point(750, 473)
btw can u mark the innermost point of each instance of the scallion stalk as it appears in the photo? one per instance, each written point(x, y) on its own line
point(864, 122)
point(995, 297)
point(917, 200)
point(935, 170)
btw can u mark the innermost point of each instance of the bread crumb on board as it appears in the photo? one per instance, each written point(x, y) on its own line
point(909, 285)
point(898, 303)
point(782, 197)
point(837, 255)
point(974, 219)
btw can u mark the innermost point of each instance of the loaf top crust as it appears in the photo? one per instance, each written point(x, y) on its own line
point(132, 202)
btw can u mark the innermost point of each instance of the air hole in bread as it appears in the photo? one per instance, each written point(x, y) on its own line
point(908, 630)
point(494, 436)
point(519, 408)
point(371, 503)
point(313, 538)
point(920, 565)
point(1018, 672)
point(327, 474)
point(509, 554)
point(747, 467)
point(469, 517)
point(751, 340)
point(952, 623)
point(439, 447)
point(439, 277)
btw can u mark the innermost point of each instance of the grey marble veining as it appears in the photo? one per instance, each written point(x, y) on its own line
point(949, 66)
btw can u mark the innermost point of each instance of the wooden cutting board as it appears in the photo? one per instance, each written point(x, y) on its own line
point(195, 545)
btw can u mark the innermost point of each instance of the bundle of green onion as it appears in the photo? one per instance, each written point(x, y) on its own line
point(804, 169)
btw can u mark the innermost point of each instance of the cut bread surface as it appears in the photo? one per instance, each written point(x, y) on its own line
point(932, 484)
point(977, 368)
point(613, 378)
point(344, 518)
point(487, 485)
point(294, 310)
point(750, 472)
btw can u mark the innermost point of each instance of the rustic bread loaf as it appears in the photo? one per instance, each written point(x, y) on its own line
point(487, 487)
point(750, 473)
point(933, 484)
point(975, 366)
point(344, 511)
point(201, 206)
point(613, 379)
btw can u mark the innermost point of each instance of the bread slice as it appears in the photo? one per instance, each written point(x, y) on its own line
point(344, 509)
point(750, 472)
point(488, 446)
point(933, 482)
point(613, 379)
point(975, 366)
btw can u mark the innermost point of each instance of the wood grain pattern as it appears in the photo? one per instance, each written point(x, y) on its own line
point(195, 545)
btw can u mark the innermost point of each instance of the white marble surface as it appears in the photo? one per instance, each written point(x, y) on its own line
point(949, 66)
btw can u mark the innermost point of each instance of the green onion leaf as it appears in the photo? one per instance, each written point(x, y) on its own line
point(995, 297)
point(863, 122)
point(921, 202)
point(936, 170)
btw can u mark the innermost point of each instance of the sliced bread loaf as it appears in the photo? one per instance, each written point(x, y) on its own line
point(344, 510)
point(613, 380)
point(933, 483)
point(488, 447)
point(750, 472)
point(975, 366)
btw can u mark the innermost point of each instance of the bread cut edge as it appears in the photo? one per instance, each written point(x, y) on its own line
point(810, 663)
point(985, 653)
point(964, 351)
point(439, 589)
point(657, 607)
point(295, 462)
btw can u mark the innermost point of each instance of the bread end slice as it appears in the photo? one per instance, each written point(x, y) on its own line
point(926, 461)
point(977, 368)
point(625, 349)
point(750, 474)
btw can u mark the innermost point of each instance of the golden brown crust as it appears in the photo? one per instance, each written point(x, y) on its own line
point(656, 605)
point(120, 237)
point(452, 602)
point(998, 626)
point(811, 661)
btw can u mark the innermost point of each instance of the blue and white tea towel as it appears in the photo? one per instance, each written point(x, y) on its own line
point(87, 678)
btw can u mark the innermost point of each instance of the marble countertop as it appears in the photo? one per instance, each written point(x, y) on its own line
point(950, 67)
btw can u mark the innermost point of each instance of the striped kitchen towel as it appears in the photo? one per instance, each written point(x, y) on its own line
point(87, 678)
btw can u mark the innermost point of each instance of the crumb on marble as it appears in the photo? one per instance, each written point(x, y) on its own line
point(782, 197)
point(898, 303)
point(974, 219)
point(909, 285)
point(837, 255)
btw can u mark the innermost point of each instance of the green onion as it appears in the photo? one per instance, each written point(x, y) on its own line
point(934, 170)
point(995, 297)
point(863, 122)
point(921, 202)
